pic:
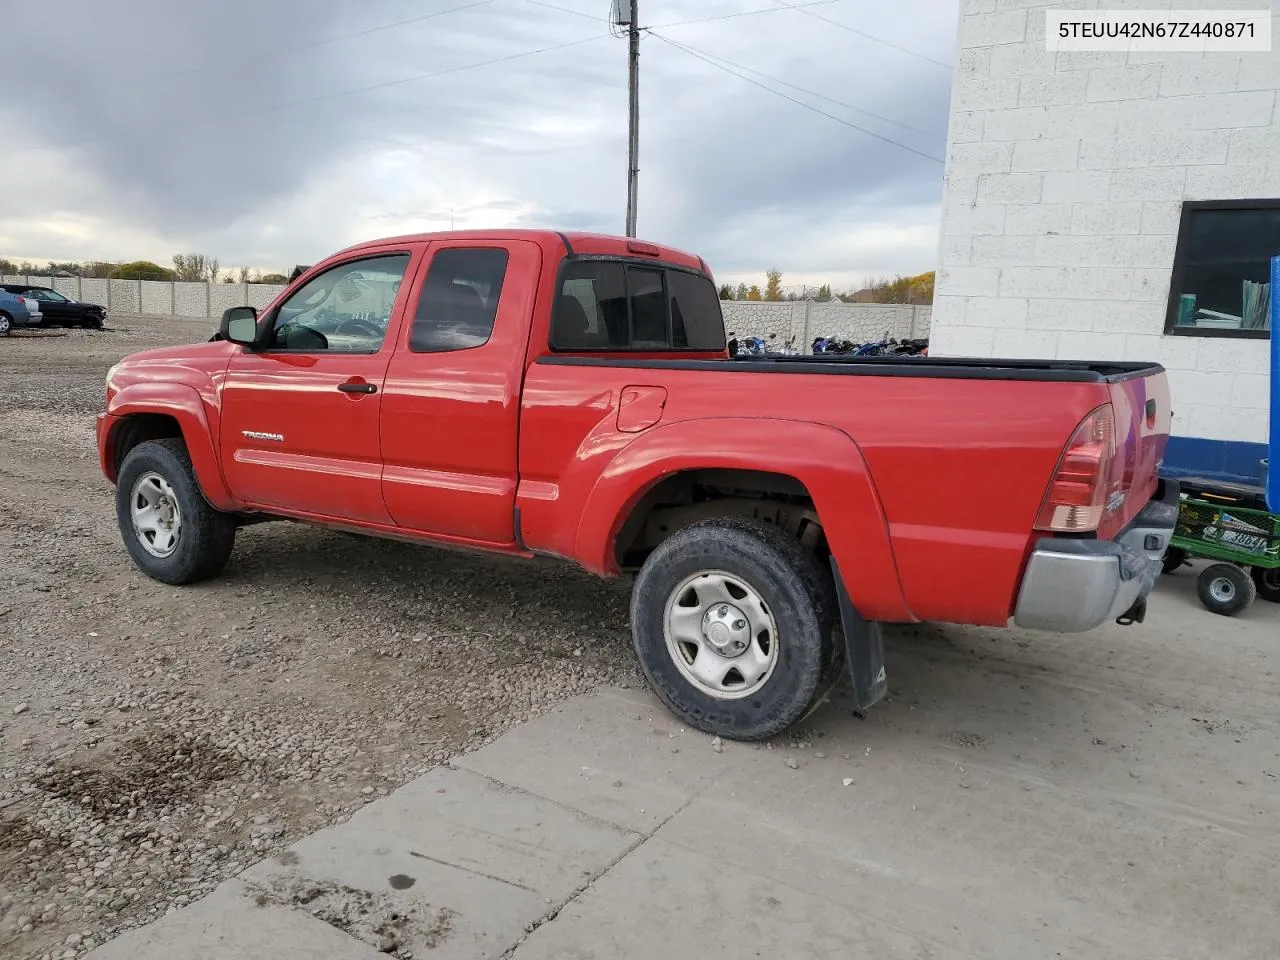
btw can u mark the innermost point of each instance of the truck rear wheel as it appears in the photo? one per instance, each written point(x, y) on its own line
point(1267, 583)
point(733, 623)
point(172, 532)
point(1224, 588)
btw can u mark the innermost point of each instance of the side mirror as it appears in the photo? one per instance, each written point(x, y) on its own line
point(240, 325)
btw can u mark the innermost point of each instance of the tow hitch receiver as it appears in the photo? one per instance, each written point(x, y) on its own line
point(1135, 614)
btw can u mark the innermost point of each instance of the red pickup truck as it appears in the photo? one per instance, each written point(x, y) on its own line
point(571, 395)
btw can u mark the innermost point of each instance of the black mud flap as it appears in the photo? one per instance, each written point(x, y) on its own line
point(864, 645)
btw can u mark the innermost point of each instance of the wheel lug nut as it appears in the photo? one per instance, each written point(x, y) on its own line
point(739, 624)
point(724, 611)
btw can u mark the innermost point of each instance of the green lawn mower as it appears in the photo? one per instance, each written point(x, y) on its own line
point(1228, 523)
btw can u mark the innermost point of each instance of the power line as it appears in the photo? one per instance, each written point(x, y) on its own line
point(743, 13)
point(821, 96)
point(325, 96)
point(681, 23)
point(800, 103)
point(577, 13)
point(799, 8)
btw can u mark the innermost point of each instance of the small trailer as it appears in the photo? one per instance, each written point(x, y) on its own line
point(1228, 523)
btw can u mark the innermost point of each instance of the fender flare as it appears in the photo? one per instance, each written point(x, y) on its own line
point(184, 403)
point(826, 460)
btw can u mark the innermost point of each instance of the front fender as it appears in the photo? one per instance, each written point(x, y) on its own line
point(185, 405)
point(824, 459)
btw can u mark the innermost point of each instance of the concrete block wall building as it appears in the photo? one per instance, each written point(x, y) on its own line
point(1107, 206)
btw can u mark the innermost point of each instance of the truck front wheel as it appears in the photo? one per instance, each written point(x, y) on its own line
point(169, 528)
point(733, 623)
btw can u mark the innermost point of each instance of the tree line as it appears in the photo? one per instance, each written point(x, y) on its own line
point(187, 267)
point(914, 289)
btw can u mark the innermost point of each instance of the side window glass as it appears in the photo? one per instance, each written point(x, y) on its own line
point(696, 319)
point(591, 310)
point(343, 310)
point(648, 308)
point(459, 299)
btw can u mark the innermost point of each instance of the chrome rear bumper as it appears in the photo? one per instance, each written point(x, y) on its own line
point(1073, 585)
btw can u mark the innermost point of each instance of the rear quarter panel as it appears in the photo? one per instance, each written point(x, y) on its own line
point(948, 472)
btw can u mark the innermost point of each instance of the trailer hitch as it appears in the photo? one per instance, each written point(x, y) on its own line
point(1135, 614)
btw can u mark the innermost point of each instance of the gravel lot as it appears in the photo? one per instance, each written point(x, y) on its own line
point(155, 740)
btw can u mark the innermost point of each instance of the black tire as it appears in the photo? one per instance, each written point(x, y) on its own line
point(797, 592)
point(1267, 583)
point(91, 321)
point(1225, 589)
point(205, 535)
point(6, 324)
point(1174, 558)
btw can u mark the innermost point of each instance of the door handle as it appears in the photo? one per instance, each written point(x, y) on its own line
point(358, 387)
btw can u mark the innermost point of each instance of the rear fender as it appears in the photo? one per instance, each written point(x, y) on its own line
point(184, 404)
point(824, 459)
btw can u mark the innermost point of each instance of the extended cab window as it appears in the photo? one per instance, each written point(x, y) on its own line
point(696, 321)
point(607, 305)
point(343, 310)
point(459, 299)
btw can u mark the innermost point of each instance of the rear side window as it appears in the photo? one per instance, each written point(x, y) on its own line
point(696, 322)
point(459, 299)
point(611, 306)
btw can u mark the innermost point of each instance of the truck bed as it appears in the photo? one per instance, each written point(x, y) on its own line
point(959, 452)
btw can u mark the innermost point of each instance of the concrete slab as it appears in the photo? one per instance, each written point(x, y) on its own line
point(236, 922)
point(453, 863)
point(1017, 795)
point(617, 755)
point(666, 902)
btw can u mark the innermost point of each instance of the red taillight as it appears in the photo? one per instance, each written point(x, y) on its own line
point(1082, 483)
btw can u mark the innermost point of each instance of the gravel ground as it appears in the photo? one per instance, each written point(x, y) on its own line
point(155, 740)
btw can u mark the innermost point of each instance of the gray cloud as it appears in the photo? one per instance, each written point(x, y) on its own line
point(173, 126)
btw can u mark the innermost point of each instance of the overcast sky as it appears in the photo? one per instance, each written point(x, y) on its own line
point(273, 132)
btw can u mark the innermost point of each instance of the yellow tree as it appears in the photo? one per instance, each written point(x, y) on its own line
point(773, 285)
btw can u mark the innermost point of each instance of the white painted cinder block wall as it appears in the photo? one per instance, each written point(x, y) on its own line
point(1064, 181)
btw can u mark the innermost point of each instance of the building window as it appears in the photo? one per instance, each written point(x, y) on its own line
point(1222, 269)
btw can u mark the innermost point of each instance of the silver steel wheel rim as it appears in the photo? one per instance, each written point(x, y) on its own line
point(1222, 590)
point(4, 324)
point(156, 516)
point(720, 634)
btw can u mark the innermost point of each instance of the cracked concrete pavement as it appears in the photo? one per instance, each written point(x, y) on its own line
point(1018, 796)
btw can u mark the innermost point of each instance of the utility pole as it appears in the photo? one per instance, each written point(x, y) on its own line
point(630, 11)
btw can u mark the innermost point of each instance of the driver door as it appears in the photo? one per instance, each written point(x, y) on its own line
point(300, 413)
point(52, 304)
